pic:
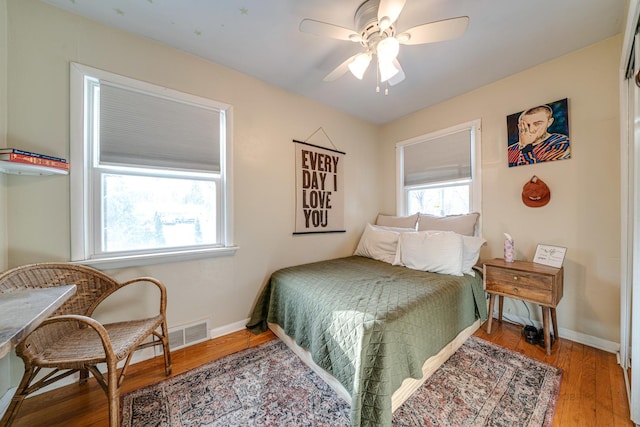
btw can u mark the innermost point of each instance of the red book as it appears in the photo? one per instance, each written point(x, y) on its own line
point(39, 161)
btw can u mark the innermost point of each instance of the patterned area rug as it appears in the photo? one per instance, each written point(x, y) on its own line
point(481, 384)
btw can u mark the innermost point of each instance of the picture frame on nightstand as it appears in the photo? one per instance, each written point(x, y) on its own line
point(552, 256)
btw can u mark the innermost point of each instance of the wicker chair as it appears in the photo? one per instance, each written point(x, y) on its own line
point(71, 341)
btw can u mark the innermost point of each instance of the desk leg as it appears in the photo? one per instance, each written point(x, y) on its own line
point(492, 299)
point(500, 305)
point(545, 327)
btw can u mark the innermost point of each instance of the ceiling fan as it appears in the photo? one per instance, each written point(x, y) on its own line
point(375, 30)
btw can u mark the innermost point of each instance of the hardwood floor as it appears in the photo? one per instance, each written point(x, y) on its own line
point(592, 392)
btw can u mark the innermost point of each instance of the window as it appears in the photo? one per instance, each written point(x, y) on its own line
point(150, 178)
point(439, 173)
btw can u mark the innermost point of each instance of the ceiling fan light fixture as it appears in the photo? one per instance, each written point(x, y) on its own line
point(403, 38)
point(387, 70)
point(359, 65)
point(388, 49)
point(384, 23)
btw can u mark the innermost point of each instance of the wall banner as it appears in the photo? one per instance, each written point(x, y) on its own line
point(319, 189)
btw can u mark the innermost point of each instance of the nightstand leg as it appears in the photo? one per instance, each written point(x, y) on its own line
point(545, 327)
point(554, 322)
point(492, 299)
point(500, 305)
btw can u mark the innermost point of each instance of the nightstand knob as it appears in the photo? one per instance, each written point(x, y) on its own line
point(515, 277)
point(515, 290)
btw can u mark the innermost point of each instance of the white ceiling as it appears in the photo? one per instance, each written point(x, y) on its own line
point(260, 38)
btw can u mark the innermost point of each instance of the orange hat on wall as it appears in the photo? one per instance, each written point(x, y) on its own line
point(535, 193)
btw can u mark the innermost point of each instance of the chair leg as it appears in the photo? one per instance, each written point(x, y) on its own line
point(84, 376)
point(113, 395)
point(165, 348)
point(17, 399)
point(124, 368)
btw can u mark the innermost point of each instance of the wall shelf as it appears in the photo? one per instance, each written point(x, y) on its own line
point(15, 168)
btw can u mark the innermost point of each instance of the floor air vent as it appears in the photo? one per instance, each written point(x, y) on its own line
point(188, 335)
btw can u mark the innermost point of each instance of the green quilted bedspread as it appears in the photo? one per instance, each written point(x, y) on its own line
point(368, 323)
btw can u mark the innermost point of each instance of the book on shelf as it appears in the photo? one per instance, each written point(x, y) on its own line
point(38, 161)
point(31, 154)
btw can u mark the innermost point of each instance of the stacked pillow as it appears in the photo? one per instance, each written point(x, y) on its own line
point(461, 224)
point(410, 221)
point(443, 245)
point(379, 242)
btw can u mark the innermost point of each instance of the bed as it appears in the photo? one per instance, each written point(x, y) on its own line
point(369, 327)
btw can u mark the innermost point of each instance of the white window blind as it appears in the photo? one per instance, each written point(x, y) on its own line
point(141, 129)
point(445, 158)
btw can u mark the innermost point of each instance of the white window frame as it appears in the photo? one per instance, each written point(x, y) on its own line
point(475, 189)
point(83, 183)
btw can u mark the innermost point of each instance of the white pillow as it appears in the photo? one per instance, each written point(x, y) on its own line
point(471, 252)
point(378, 243)
point(439, 252)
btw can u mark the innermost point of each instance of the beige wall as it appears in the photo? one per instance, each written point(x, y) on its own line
point(584, 212)
point(42, 42)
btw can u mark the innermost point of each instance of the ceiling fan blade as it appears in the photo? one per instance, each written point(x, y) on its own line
point(438, 31)
point(388, 12)
point(399, 75)
point(340, 70)
point(328, 30)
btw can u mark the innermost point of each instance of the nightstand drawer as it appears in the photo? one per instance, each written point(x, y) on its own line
point(521, 279)
point(533, 294)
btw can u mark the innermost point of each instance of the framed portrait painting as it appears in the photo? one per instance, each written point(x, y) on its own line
point(539, 134)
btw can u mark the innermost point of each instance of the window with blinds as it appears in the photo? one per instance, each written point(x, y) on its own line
point(144, 129)
point(439, 172)
point(438, 160)
point(155, 177)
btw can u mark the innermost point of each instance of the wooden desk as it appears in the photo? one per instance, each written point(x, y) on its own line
point(527, 281)
point(21, 311)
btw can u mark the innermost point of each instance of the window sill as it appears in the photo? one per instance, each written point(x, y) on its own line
point(157, 258)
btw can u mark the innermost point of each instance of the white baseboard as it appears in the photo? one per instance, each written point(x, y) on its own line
point(591, 341)
point(227, 329)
